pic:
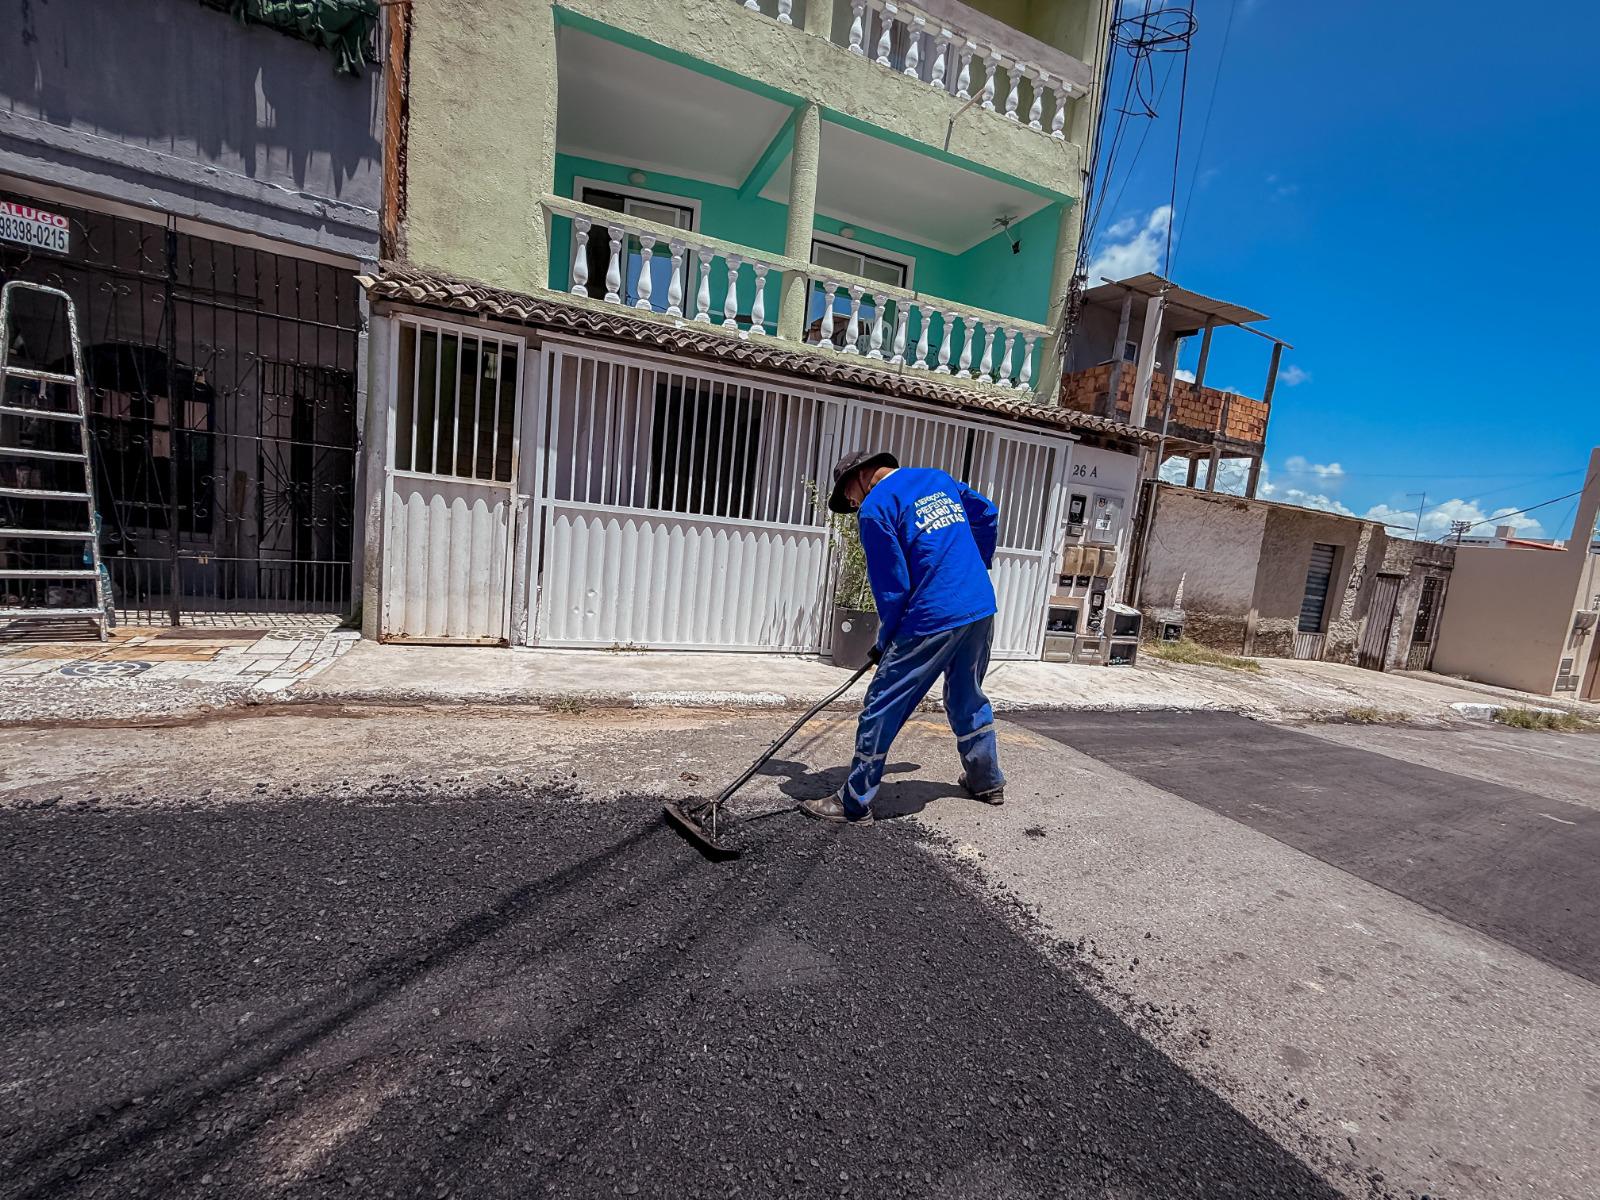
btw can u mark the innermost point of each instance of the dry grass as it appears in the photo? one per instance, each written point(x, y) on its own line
point(1533, 718)
point(1366, 715)
point(1195, 654)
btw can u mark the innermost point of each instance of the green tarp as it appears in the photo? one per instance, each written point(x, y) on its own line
point(342, 26)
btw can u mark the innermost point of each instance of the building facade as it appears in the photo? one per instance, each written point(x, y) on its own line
point(216, 185)
point(659, 264)
point(1261, 579)
point(1123, 365)
point(1523, 615)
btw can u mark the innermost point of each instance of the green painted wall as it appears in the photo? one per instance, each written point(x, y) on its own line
point(986, 276)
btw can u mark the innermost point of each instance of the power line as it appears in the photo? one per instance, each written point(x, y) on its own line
point(1177, 148)
point(1533, 507)
point(1205, 125)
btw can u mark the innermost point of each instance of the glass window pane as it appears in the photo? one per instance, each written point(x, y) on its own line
point(884, 272)
point(835, 259)
point(661, 214)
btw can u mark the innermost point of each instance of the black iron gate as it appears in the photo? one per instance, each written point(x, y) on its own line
point(222, 413)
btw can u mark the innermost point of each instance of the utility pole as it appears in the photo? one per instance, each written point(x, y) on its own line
point(1459, 528)
point(1416, 535)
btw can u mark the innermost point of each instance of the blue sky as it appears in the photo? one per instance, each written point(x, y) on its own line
point(1412, 192)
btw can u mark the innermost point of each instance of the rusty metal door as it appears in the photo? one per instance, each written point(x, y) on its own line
point(1380, 617)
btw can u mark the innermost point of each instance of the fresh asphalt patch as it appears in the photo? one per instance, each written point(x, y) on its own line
point(523, 994)
point(1521, 868)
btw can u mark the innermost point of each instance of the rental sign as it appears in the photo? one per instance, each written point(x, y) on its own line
point(32, 227)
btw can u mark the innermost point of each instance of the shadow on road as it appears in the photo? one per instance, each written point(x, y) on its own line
point(528, 995)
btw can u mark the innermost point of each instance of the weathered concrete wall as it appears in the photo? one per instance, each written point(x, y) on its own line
point(481, 139)
point(1212, 546)
point(1281, 582)
point(1417, 562)
point(175, 106)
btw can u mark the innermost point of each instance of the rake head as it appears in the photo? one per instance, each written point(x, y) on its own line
point(699, 825)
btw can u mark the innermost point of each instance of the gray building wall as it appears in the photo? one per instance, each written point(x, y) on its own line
point(170, 105)
point(1242, 565)
point(1281, 581)
point(1211, 547)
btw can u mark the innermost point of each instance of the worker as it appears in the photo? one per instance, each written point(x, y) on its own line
point(929, 541)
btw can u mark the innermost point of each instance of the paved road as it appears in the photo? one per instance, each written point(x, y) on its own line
point(387, 993)
point(1515, 865)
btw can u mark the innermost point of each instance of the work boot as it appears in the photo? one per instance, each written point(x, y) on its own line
point(831, 808)
point(995, 796)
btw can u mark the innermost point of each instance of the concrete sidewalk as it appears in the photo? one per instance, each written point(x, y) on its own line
point(1282, 690)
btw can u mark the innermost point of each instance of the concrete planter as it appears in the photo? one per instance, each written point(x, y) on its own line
point(854, 634)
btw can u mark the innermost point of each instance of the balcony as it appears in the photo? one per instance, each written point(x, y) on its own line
point(955, 49)
point(634, 266)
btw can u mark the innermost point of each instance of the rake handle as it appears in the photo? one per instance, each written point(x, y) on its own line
point(713, 805)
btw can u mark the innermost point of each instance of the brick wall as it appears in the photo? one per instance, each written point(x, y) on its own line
point(1198, 408)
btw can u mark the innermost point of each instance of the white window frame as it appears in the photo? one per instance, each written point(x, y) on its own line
point(580, 182)
point(847, 246)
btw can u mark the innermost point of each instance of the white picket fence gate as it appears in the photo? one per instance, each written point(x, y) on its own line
point(674, 506)
point(581, 496)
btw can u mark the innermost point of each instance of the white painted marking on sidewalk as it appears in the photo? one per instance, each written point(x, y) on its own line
point(1548, 817)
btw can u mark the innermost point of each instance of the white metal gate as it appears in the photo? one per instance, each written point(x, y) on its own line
point(1022, 473)
point(676, 506)
point(450, 509)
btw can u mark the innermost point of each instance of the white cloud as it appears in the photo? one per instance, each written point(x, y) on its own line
point(1317, 500)
point(1186, 375)
point(1293, 376)
point(1130, 248)
point(1436, 519)
point(1233, 476)
point(1298, 464)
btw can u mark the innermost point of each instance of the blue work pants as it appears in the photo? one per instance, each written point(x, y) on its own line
point(905, 675)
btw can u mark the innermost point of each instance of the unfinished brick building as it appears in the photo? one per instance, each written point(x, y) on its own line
point(1129, 337)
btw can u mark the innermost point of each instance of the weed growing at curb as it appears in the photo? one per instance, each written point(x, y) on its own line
point(1367, 715)
point(1195, 654)
point(1533, 718)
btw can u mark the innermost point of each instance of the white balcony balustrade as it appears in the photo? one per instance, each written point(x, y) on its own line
point(900, 37)
point(902, 329)
point(640, 265)
point(631, 262)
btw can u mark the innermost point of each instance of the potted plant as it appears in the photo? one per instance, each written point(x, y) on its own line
point(855, 615)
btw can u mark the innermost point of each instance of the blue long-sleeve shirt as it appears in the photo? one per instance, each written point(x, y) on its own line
point(929, 541)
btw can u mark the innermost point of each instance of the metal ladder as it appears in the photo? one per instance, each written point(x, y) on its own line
point(80, 500)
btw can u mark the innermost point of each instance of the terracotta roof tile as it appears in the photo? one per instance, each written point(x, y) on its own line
point(431, 289)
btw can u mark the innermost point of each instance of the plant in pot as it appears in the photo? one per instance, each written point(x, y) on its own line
point(855, 614)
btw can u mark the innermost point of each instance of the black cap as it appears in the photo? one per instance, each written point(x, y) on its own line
point(856, 460)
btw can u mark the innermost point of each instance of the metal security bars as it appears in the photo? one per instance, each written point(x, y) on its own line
point(222, 414)
point(450, 507)
point(457, 403)
point(677, 507)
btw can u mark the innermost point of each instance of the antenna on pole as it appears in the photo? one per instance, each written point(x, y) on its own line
point(1458, 529)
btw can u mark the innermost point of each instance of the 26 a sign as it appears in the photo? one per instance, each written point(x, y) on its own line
point(33, 227)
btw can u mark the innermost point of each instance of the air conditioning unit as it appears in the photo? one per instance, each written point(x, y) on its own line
point(1584, 619)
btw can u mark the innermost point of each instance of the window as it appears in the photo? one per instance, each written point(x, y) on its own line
point(663, 210)
point(455, 403)
point(1130, 351)
point(847, 260)
point(1319, 578)
point(705, 448)
point(858, 262)
point(1427, 606)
